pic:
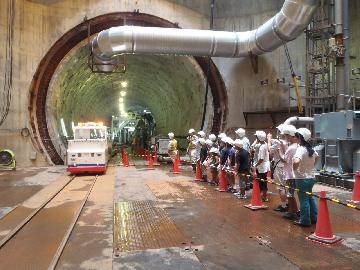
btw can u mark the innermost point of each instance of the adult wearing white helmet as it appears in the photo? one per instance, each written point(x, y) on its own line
point(203, 157)
point(213, 162)
point(289, 132)
point(201, 134)
point(277, 147)
point(245, 141)
point(230, 164)
point(242, 167)
point(305, 159)
point(262, 162)
point(172, 147)
point(213, 138)
point(192, 147)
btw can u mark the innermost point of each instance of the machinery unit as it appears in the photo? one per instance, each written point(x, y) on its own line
point(7, 160)
point(89, 151)
point(339, 133)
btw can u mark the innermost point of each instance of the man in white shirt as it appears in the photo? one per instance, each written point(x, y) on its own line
point(262, 164)
point(289, 132)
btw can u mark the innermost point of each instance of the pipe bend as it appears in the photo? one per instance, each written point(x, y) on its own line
point(285, 26)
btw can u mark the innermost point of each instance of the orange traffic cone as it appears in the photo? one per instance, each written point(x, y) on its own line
point(176, 165)
point(256, 203)
point(126, 159)
point(323, 232)
point(151, 163)
point(356, 191)
point(198, 176)
point(223, 182)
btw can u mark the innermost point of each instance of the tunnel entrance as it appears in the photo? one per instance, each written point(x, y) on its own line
point(180, 96)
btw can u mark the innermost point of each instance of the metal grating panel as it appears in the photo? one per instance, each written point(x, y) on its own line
point(141, 225)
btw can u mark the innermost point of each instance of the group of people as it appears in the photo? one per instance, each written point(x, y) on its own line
point(289, 157)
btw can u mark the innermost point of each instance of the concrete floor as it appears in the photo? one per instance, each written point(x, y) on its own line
point(150, 219)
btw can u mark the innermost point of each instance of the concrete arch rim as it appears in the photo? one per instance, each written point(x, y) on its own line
point(47, 67)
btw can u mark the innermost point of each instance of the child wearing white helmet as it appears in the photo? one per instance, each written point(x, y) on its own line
point(262, 163)
point(192, 147)
point(221, 142)
point(242, 168)
point(230, 165)
point(203, 157)
point(289, 132)
point(305, 159)
point(278, 146)
point(212, 137)
point(172, 147)
point(214, 161)
point(245, 141)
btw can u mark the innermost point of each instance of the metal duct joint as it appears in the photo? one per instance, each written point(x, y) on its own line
point(285, 26)
point(297, 119)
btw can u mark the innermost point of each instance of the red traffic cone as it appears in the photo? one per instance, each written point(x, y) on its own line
point(151, 163)
point(176, 165)
point(223, 182)
point(198, 176)
point(356, 191)
point(323, 232)
point(256, 203)
point(126, 159)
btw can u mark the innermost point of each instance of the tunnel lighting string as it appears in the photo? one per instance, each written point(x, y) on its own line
point(6, 93)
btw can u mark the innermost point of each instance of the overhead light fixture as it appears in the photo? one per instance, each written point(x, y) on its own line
point(123, 93)
point(124, 84)
point(282, 80)
point(264, 82)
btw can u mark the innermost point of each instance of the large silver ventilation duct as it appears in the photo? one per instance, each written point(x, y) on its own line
point(285, 26)
point(296, 119)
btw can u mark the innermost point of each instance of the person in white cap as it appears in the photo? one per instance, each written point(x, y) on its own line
point(192, 147)
point(278, 146)
point(203, 156)
point(212, 137)
point(242, 168)
point(245, 141)
point(172, 147)
point(214, 161)
point(304, 162)
point(230, 165)
point(221, 143)
point(262, 163)
point(289, 132)
point(201, 134)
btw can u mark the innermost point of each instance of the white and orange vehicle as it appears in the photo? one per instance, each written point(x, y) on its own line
point(88, 152)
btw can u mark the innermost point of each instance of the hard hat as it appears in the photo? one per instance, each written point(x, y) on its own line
point(261, 135)
point(230, 141)
point(212, 137)
point(191, 130)
point(305, 133)
point(209, 142)
point(289, 130)
point(214, 150)
point(171, 135)
point(240, 132)
point(238, 143)
point(201, 133)
point(224, 139)
point(280, 128)
point(221, 135)
point(202, 141)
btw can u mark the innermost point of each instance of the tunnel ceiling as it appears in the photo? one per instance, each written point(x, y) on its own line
point(171, 87)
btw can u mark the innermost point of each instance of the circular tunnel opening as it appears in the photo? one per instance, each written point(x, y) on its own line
point(172, 88)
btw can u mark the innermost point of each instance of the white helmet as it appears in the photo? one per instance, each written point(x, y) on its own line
point(209, 142)
point(238, 143)
point(305, 133)
point(191, 131)
point(224, 139)
point(280, 128)
point(214, 150)
point(202, 141)
point(201, 133)
point(171, 135)
point(212, 137)
point(261, 135)
point(240, 132)
point(289, 130)
point(221, 135)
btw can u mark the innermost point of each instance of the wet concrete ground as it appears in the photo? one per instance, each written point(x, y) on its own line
point(163, 221)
